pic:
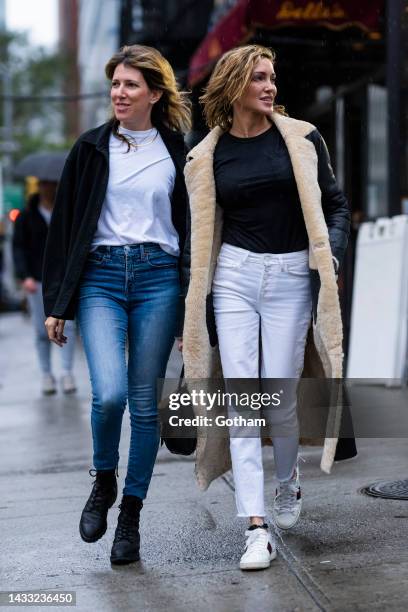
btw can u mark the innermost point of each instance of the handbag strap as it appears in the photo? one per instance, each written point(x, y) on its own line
point(180, 383)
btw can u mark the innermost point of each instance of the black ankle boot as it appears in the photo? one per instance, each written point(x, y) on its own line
point(126, 544)
point(93, 523)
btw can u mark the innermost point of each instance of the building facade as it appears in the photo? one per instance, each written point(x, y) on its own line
point(2, 15)
point(98, 39)
point(175, 27)
point(68, 44)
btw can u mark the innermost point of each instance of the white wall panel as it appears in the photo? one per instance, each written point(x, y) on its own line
point(378, 338)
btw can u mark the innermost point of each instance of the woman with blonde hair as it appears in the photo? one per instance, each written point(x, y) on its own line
point(114, 258)
point(269, 226)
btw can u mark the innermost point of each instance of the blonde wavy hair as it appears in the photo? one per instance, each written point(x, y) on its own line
point(173, 109)
point(229, 80)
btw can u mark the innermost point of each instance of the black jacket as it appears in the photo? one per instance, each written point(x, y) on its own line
point(335, 209)
point(78, 205)
point(334, 203)
point(29, 238)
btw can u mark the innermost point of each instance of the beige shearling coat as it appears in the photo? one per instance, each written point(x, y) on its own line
point(324, 354)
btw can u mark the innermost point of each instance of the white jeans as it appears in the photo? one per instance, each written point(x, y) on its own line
point(268, 296)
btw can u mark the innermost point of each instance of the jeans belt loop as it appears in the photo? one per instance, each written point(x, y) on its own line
point(142, 252)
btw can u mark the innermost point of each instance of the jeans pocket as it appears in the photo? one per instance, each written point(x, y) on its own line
point(161, 259)
point(96, 258)
point(224, 263)
point(229, 260)
point(298, 269)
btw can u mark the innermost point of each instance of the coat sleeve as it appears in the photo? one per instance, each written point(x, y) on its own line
point(334, 203)
point(186, 256)
point(59, 233)
point(185, 262)
point(20, 257)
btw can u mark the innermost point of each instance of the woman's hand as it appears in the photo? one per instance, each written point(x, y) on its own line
point(30, 285)
point(179, 344)
point(55, 330)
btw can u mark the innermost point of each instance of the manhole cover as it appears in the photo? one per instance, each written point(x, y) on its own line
point(393, 489)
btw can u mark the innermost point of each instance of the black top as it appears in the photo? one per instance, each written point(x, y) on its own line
point(257, 190)
point(29, 237)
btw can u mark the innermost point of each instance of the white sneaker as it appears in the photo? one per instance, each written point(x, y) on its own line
point(260, 549)
point(288, 502)
point(68, 383)
point(48, 384)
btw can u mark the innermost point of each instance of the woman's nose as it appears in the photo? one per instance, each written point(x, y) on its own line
point(120, 91)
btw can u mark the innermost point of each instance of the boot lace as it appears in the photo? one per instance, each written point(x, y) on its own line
point(97, 499)
point(128, 525)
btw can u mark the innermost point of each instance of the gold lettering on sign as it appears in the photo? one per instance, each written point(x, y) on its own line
point(312, 11)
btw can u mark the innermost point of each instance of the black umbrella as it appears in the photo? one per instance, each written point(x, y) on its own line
point(44, 165)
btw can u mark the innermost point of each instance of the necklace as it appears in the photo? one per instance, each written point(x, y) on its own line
point(247, 135)
point(137, 145)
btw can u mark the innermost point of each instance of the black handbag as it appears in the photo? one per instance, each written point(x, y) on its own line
point(183, 445)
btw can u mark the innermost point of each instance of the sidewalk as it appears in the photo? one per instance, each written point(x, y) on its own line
point(348, 552)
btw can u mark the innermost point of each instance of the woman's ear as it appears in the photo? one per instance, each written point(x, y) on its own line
point(156, 95)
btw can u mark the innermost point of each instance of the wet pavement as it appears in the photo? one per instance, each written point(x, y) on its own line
point(348, 551)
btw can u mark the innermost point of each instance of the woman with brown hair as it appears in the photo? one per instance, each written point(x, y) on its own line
point(114, 258)
point(269, 225)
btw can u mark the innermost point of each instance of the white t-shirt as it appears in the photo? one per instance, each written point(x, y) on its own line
point(137, 205)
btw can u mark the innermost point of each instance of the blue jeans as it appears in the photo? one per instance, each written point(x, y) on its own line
point(128, 294)
point(42, 343)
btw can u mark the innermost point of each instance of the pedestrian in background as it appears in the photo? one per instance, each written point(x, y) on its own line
point(265, 207)
point(114, 260)
point(29, 238)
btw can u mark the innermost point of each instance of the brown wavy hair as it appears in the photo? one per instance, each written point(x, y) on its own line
point(229, 79)
point(173, 109)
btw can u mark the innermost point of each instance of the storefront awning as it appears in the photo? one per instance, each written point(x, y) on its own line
point(230, 32)
point(240, 23)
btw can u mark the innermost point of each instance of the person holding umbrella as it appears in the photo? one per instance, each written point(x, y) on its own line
point(29, 239)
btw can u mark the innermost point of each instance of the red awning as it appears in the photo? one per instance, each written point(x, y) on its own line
point(231, 31)
point(239, 24)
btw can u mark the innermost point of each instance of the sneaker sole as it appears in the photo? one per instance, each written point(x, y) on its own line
point(287, 527)
point(256, 566)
